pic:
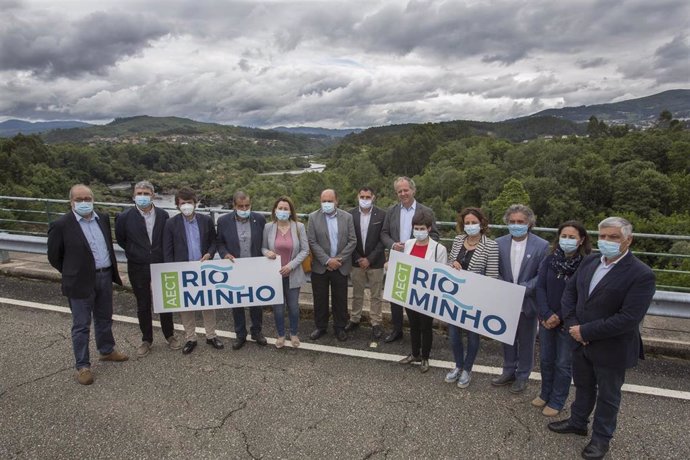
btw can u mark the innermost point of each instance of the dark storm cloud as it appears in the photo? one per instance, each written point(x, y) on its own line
point(54, 47)
point(672, 61)
point(591, 63)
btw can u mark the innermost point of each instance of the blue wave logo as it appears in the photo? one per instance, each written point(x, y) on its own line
point(216, 267)
point(229, 288)
point(455, 301)
point(450, 276)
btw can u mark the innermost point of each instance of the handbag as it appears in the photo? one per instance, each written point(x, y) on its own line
point(306, 263)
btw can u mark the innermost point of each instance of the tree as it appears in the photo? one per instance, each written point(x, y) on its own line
point(513, 193)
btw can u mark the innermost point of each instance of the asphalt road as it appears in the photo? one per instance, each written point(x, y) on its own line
point(267, 403)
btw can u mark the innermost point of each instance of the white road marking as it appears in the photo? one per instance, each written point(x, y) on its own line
point(636, 389)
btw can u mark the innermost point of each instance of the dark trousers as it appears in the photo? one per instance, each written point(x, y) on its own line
point(421, 335)
point(337, 283)
point(397, 317)
point(257, 316)
point(600, 386)
point(518, 358)
point(140, 278)
point(99, 305)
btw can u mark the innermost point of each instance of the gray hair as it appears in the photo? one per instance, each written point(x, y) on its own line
point(75, 186)
point(239, 195)
point(145, 184)
point(617, 222)
point(413, 186)
point(521, 208)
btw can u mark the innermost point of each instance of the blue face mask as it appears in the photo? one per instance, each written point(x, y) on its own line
point(282, 215)
point(83, 208)
point(518, 230)
point(609, 249)
point(568, 244)
point(243, 213)
point(420, 235)
point(473, 229)
point(328, 207)
point(142, 201)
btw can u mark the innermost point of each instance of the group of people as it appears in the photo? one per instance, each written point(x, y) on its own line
point(586, 308)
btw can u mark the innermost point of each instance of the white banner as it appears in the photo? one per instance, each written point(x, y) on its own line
point(474, 302)
point(213, 284)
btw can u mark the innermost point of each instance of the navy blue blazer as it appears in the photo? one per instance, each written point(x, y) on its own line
point(374, 249)
point(228, 242)
point(130, 232)
point(175, 238)
point(69, 252)
point(610, 317)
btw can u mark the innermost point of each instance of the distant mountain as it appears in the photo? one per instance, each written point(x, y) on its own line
point(324, 132)
point(11, 128)
point(640, 112)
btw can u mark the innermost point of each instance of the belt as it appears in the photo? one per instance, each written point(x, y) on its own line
point(104, 269)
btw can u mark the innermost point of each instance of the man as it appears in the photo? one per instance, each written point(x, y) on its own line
point(188, 237)
point(81, 248)
point(603, 305)
point(520, 254)
point(397, 228)
point(240, 234)
point(139, 231)
point(332, 240)
point(367, 261)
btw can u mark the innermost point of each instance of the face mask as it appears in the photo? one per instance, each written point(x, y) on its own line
point(282, 215)
point(609, 249)
point(142, 201)
point(243, 214)
point(187, 209)
point(518, 230)
point(83, 208)
point(327, 207)
point(567, 244)
point(473, 229)
point(421, 235)
point(365, 204)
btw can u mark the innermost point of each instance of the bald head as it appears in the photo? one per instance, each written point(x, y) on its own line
point(329, 196)
point(80, 191)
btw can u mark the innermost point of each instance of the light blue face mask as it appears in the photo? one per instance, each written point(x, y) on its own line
point(518, 230)
point(568, 245)
point(473, 229)
point(243, 213)
point(83, 208)
point(282, 215)
point(420, 235)
point(142, 201)
point(328, 207)
point(609, 249)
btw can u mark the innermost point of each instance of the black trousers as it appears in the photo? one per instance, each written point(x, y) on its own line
point(337, 283)
point(140, 278)
point(600, 386)
point(421, 334)
point(397, 317)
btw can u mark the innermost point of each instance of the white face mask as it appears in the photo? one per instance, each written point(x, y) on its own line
point(421, 235)
point(187, 209)
point(365, 204)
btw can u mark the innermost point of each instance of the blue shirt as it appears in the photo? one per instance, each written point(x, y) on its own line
point(602, 270)
point(191, 230)
point(94, 235)
point(406, 215)
point(332, 222)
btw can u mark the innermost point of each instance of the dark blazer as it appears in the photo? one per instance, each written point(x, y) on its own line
point(529, 269)
point(69, 252)
point(390, 233)
point(175, 238)
point(228, 241)
point(374, 250)
point(610, 317)
point(130, 232)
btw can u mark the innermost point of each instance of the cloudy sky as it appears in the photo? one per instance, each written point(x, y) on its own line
point(336, 64)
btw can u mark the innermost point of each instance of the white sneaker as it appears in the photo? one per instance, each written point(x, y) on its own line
point(464, 380)
point(452, 376)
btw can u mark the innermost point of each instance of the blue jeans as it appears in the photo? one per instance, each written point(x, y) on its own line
point(100, 305)
point(556, 360)
point(291, 298)
point(462, 361)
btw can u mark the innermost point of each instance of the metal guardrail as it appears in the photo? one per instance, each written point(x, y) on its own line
point(664, 303)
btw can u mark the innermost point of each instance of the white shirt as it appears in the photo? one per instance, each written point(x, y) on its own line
point(517, 253)
point(364, 219)
point(150, 220)
point(406, 215)
point(601, 271)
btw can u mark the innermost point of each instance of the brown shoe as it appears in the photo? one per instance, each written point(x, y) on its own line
point(114, 356)
point(550, 411)
point(538, 402)
point(84, 376)
point(174, 343)
point(143, 349)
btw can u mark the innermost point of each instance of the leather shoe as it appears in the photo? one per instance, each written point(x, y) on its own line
point(502, 380)
point(114, 356)
point(424, 366)
point(259, 339)
point(84, 376)
point(189, 347)
point(518, 386)
point(341, 335)
point(564, 427)
point(393, 336)
point(239, 343)
point(409, 359)
point(595, 450)
point(351, 326)
point(316, 334)
point(377, 332)
point(216, 343)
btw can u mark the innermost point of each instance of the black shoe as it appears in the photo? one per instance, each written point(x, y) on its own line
point(502, 380)
point(216, 343)
point(377, 332)
point(564, 427)
point(239, 343)
point(595, 450)
point(341, 335)
point(351, 326)
point(316, 334)
point(409, 359)
point(259, 339)
point(188, 347)
point(393, 336)
point(519, 386)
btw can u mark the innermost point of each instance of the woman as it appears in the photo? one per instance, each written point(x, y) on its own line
point(569, 248)
point(286, 238)
point(473, 251)
point(422, 246)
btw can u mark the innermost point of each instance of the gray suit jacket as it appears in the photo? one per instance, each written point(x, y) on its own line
point(300, 250)
point(529, 269)
point(320, 243)
point(391, 226)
